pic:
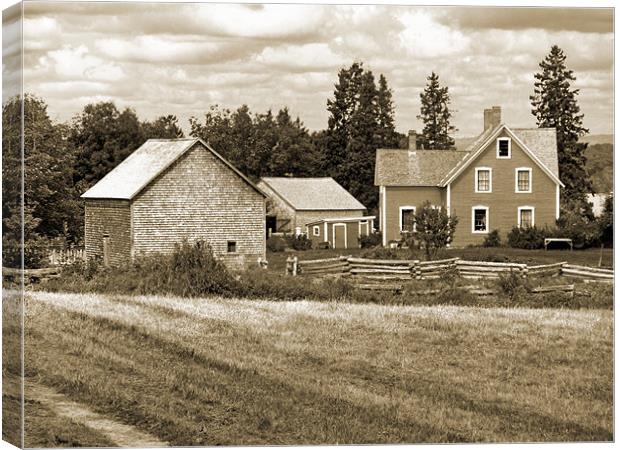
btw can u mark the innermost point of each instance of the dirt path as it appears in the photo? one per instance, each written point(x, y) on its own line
point(119, 433)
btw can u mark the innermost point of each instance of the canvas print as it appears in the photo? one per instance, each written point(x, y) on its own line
point(296, 224)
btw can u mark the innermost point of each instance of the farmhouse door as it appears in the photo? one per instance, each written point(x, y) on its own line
point(340, 235)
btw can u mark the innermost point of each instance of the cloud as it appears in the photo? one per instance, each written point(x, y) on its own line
point(76, 63)
point(589, 20)
point(424, 38)
point(41, 33)
point(314, 56)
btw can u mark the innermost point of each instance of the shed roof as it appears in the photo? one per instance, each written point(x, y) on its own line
point(313, 193)
point(134, 173)
point(395, 167)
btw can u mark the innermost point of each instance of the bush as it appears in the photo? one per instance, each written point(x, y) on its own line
point(434, 229)
point(276, 244)
point(382, 253)
point(577, 226)
point(493, 239)
point(529, 238)
point(512, 284)
point(370, 240)
point(299, 242)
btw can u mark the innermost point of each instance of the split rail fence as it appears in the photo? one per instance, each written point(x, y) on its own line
point(391, 274)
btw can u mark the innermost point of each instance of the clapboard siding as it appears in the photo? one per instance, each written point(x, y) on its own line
point(111, 217)
point(306, 216)
point(200, 198)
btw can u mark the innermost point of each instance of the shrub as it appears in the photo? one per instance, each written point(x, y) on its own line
point(493, 239)
point(276, 244)
point(529, 238)
point(576, 225)
point(512, 284)
point(370, 240)
point(606, 222)
point(382, 253)
point(434, 229)
point(299, 242)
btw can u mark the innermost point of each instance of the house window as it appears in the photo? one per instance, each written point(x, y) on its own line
point(483, 179)
point(525, 216)
point(231, 247)
point(523, 180)
point(407, 218)
point(480, 219)
point(503, 147)
point(316, 230)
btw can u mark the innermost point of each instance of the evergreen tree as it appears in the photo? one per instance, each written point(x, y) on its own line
point(435, 114)
point(388, 136)
point(361, 119)
point(555, 106)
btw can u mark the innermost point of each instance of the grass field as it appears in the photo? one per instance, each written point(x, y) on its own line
point(588, 257)
point(221, 371)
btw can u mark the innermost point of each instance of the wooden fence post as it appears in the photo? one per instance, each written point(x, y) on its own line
point(295, 262)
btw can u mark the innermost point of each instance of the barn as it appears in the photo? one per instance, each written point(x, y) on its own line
point(170, 190)
point(294, 202)
point(339, 232)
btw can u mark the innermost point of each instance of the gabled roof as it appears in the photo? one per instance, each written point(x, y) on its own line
point(340, 219)
point(396, 167)
point(542, 140)
point(134, 173)
point(313, 193)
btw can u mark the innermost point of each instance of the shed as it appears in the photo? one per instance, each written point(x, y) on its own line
point(339, 232)
point(294, 202)
point(170, 190)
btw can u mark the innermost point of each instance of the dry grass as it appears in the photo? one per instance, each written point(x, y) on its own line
point(222, 371)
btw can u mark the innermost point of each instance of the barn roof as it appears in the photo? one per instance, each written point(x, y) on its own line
point(134, 173)
point(313, 193)
point(397, 167)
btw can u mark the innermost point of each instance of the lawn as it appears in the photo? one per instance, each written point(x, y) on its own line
point(225, 371)
point(588, 257)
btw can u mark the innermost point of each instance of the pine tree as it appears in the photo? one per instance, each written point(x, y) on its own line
point(388, 136)
point(435, 114)
point(555, 106)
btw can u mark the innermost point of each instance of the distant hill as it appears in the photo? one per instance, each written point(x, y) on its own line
point(600, 166)
point(598, 139)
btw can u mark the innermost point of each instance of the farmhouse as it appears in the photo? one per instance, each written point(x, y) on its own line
point(169, 190)
point(295, 202)
point(506, 177)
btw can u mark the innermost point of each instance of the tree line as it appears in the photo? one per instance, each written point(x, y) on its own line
point(63, 160)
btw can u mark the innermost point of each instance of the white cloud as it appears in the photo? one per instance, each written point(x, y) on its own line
point(424, 38)
point(77, 62)
point(314, 56)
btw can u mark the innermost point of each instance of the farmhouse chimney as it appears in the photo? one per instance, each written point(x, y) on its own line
point(492, 117)
point(414, 143)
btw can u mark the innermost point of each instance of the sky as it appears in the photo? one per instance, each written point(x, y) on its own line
point(178, 58)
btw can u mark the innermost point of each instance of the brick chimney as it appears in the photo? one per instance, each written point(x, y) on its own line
point(414, 143)
point(492, 117)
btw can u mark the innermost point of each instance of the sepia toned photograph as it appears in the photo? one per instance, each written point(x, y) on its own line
point(250, 224)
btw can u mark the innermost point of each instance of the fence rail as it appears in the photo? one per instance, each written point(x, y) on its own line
point(389, 274)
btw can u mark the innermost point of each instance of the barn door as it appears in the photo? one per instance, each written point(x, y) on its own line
point(340, 235)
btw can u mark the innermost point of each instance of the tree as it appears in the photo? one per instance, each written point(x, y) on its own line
point(554, 104)
point(360, 121)
point(164, 127)
point(435, 114)
point(434, 228)
point(606, 221)
point(49, 205)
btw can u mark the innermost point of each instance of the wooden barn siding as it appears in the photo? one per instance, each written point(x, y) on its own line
point(112, 217)
point(503, 201)
point(306, 216)
point(200, 198)
point(397, 196)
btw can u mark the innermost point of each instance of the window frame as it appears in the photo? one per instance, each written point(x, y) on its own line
point(526, 208)
point(234, 245)
point(316, 230)
point(400, 217)
point(523, 169)
point(507, 139)
point(482, 169)
point(473, 219)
